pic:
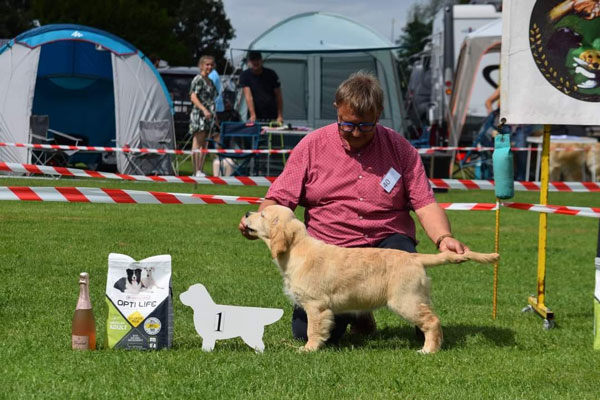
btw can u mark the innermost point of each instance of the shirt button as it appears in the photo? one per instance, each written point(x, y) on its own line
point(360, 217)
point(361, 199)
point(366, 235)
point(360, 177)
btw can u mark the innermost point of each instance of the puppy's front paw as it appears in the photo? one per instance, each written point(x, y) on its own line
point(302, 349)
point(310, 346)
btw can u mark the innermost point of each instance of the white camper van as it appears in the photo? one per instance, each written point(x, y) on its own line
point(450, 27)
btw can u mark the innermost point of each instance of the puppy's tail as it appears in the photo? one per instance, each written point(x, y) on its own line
point(447, 257)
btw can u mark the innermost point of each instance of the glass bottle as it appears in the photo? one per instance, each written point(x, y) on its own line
point(83, 331)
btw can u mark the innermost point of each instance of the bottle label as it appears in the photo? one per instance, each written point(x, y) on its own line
point(80, 342)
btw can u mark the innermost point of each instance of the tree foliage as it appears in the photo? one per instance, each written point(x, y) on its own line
point(415, 34)
point(178, 31)
point(14, 17)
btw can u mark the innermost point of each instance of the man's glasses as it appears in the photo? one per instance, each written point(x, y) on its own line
point(349, 127)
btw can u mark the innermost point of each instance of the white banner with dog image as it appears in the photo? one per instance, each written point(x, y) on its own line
point(139, 300)
point(550, 62)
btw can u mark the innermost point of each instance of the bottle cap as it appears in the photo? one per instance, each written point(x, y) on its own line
point(84, 277)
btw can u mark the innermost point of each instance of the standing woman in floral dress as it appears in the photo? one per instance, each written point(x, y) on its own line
point(202, 94)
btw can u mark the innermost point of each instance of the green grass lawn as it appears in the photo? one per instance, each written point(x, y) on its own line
point(44, 246)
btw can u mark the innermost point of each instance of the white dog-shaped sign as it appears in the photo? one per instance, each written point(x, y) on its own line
point(217, 322)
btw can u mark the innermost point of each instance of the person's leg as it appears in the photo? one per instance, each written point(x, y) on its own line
point(214, 138)
point(300, 325)
point(198, 142)
point(520, 140)
point(398, 241)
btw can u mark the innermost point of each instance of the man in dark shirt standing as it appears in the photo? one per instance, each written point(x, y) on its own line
point(262, 90)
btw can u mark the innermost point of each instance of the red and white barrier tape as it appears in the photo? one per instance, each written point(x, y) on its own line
point(115, 196)
point(37, 146)
point(523, 186)
point(120, 196)
point(593, 212)
point(465, 184)
point(430, 150)
point(468, 206)
point(83, 173)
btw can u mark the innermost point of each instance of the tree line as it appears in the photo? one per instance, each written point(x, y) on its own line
point(178, 31)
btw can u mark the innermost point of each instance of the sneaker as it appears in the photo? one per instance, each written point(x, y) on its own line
point(199, 174)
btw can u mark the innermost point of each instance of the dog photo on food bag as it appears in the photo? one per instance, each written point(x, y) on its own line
point(148, 281)
point(132, 283)
point(325, 279)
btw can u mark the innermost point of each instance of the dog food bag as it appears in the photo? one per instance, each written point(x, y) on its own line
point(140, 303)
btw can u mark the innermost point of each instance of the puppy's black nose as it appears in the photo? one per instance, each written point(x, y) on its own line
point(248, 214)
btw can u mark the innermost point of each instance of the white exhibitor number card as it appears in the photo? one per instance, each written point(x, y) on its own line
point(389, 180)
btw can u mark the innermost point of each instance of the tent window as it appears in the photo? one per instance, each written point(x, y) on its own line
point(334, 70)
point(294, 87)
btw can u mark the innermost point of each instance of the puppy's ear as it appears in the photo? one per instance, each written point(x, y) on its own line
point(280, 240)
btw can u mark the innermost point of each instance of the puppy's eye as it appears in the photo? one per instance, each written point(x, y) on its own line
point(262, 215)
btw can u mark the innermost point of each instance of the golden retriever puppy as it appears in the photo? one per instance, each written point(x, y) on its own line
point(566, 162)
point(593, 160)
point(327, 280)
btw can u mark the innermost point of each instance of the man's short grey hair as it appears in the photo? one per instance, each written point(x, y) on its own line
point(361, 92)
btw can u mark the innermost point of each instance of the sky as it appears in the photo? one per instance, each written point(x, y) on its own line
point(250, 18)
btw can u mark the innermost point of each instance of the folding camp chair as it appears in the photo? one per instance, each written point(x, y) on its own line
point(239, 135)
point(423, 140)
point(38, 131)
point(154, 135)
point(41, 133)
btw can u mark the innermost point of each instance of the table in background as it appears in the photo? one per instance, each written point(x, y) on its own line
point(281, 133)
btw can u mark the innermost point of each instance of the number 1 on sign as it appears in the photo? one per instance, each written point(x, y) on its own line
point(219, 322)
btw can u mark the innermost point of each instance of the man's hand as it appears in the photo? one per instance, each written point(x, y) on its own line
point(244, 230)
point(453, 245)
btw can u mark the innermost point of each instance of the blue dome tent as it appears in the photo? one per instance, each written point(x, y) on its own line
point(93, 85)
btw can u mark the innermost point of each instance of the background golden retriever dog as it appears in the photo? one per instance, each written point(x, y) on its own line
point(567, 162)
point(592, 160)
point(327, 280)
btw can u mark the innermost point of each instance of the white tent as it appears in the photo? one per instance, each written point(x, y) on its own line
point(479, 58)
point(91, 84)
point(314, 52)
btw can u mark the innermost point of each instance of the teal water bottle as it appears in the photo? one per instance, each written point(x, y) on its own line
point(504, 182)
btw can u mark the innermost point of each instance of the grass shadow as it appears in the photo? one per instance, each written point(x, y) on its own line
point(455, 336)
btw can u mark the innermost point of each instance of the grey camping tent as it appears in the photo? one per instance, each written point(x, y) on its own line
point(314, 52)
